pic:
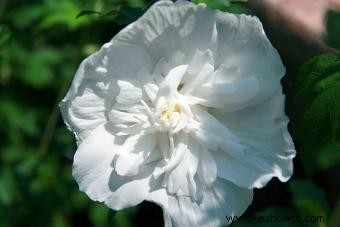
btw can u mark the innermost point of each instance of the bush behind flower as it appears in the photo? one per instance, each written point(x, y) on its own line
point(41, 44)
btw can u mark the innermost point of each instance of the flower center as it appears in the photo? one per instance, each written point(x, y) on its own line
point(170, 114)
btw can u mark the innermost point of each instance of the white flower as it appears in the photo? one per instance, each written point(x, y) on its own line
point(183, 108)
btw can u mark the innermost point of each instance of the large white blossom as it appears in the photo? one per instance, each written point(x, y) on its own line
point(183, 108)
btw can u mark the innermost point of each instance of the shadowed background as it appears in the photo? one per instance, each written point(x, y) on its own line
point(42, 43)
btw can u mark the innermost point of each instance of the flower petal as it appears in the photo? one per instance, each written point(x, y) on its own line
point(168, 87)
point(127, 61)
point(242, 44)
point(118, 117)
point(129, 93)
point(199, 60)
point(207, 170)
point(214, 135)
point(151, 90)
point(83, 108)
point(202, 76)
point(221, 200)
point(95, 80)
point(221, 95)
point(133, 154)
point(269, 149)
point(84, 114)
point(95, 175)
point(180, 178)
point(167, 28)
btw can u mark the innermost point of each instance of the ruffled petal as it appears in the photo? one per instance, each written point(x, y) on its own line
point(202, 76)
point(207, 169)
point(244, 47)
point(94, 172)
point(214, 135)
point(83, 108)
point(170, 29)
point(269, 149)
point(221, 200)
point(84, 114)
point(118, 117)
point(94, 88)
point(222, 95)
point(168, 87)
point(128, 93)
point(180, 179)
point(133, 154)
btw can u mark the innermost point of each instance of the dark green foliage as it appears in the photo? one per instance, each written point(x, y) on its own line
point(316, 126)
point(41, 46)
point(333, 29)
point(233, 6)
point(308, 199)
point(42, 43)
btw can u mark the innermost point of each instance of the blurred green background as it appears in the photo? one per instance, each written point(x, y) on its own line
point(42, 43)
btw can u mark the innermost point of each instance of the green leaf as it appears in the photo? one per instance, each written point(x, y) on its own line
point(17, 118)
point(333, 29)
point(13, 153)
point(79, 199)
point(27, 165)
point(328, 155)
point(239, 8)
point(315, 120)
point(99, 214)
point(62, 12)
point(112, 12)
point(38, 71)
point(314, 70)
point(22, 156)
point(124, 217)
point(223, 5)
point(137, 3)
point(5, 35)
point(127, 14)
point(3, 217)
point(59, 221)
point(309, 200)
point(87, 12)
point(31, 14)
point(8, 187)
